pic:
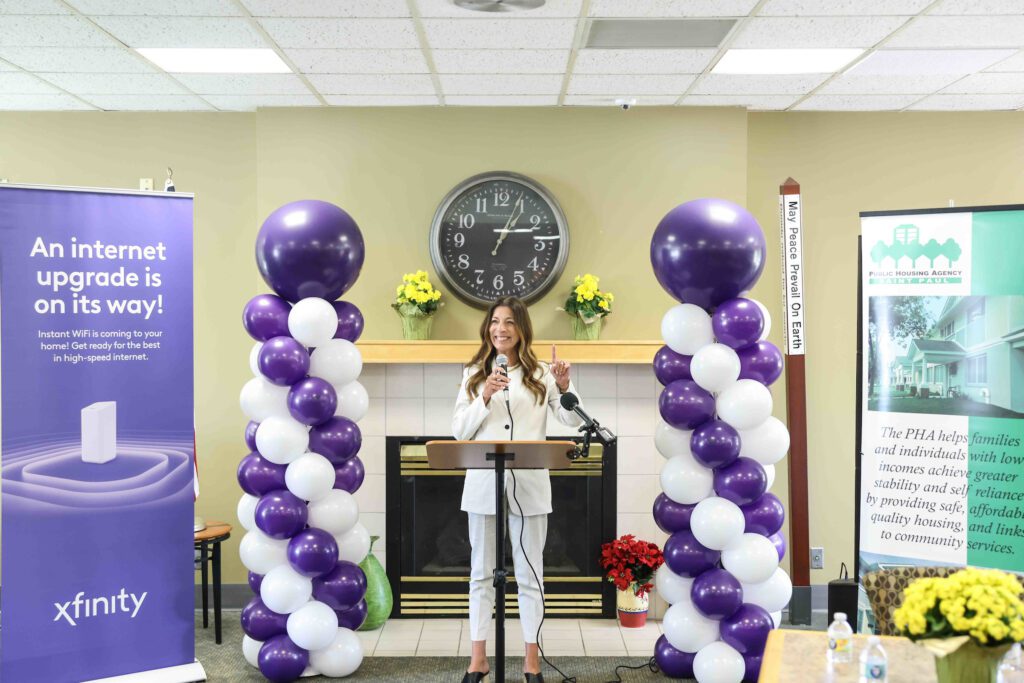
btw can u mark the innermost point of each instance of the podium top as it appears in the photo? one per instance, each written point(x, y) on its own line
point(472, 455)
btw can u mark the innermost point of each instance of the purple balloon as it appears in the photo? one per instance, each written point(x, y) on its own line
point(350, 321)
point(764, 516)
point(751, 668)
point(684, 405)
point(707, 251)
point(349, 475)
point(737, 323)
point(283, 361)
point(742, 482)
point(337, 439)
point(281, 660)
point(266, 316)
point(353, 618)
point(309, 248)
point(779, 541)
point(672, 662)
point(716, 594)
point(685, 556)
point(313, 552)
point(670, 515)
point(761, 362)
point(255, 582)
point(715, 444)
point(312, 401)
point(281, 514)
point(260, 622)
point(257, 475)
point(250, 434)
point(747, 629)
point(670, 366)
point(341, 588)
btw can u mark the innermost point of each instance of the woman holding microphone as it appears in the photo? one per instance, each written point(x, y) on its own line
point(482, 412)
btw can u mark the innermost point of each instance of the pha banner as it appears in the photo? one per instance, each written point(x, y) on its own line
point(942, 398)
point(96, 417)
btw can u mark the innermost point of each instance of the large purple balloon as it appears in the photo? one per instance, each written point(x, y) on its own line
point(281, 660)
point(353, 618)
point(764, 516)
point(761, 362)
point(742, 482)
point(715, 444)
point(670, 366)
point(260, 622)
point(283, 361)
point(309, 248)
point(716, 594)
point(312, 401)
point(337, 439)
point(257, 475)
point(342, 587)
point(350, 321)
point(266, 316)
point(707, 251)
point(751, 668)
point(281, 514)
point(779, 541)
point(349, 475)
point(684, 405)
point(670, 515)
point(313, 552)
point(737, 323)
point(685, 556)
point(672, 662)
point(250, 434)
point(255, 581)
point(747, 629)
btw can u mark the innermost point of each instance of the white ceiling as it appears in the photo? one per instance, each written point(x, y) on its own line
point(923, 55)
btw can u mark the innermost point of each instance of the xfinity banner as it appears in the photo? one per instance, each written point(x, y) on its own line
point(96, 419)
point(942, 404)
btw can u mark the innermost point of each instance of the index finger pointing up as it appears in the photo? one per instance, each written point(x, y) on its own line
point(554, 355)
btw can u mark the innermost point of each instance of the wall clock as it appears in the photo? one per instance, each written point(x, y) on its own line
point(499, 234)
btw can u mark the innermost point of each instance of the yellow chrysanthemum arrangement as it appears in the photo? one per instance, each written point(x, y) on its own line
point(586, 300)
point(416, 296)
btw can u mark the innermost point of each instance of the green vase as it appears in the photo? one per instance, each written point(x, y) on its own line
point(583, 331)
point(379, 600)
point(970, 663)
point(416, 326)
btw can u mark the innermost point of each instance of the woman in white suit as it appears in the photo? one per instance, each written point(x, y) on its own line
point(481, 412)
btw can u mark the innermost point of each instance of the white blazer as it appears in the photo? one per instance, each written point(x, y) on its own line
point(475, 420)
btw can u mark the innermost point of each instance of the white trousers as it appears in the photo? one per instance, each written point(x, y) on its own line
point(481, 577)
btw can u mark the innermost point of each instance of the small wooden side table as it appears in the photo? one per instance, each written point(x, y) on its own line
point(208, 542)
point(793, 655)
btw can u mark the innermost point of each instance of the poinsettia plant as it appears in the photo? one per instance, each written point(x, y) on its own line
point(630, 563)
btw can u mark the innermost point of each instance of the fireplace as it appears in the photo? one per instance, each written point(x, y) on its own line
point(428, 547)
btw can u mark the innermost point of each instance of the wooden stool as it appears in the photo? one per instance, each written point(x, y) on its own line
point(207, 542)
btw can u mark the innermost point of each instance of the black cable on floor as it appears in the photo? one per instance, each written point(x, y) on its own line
point(651, 666)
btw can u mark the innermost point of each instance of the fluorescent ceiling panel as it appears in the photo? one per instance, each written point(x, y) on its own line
point(149, 102)
point(182, 31)
point(244, 84)
point(50, 31)
point(841, 8)
point(855, 102)
point(116, 84)
point(981, 32)
point(382, 100)
point(382, 84)
point(864, 84)
point(342, 33)
point(501, 61)
point(736, 84)
point(628, 85)
point(54, 102)
point(324, 61)
point(19, 83)
point(183, 8)
point(785, 61)
point(671, 8)
point(977, 7)
point(923, 62)
point(500, 84)
point(817, 32)
point(989, 84)
point(551, 9)
point(486, 34)
point(593, 61)
point(76, 59)
point(193, 60)
point(970, 103)
point(502, 100)
point(253, 102)
point(8, 7)
point(607, 101)
point(327, 8)
point(657, 33)
point(754, 102)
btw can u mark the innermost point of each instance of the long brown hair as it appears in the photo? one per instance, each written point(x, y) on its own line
point(485, 355)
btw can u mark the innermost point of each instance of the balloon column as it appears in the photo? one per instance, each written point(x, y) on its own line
point(720, 442)
point(304, 539)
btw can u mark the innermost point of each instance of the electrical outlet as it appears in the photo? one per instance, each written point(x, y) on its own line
point(817, 558)
point(146, 184)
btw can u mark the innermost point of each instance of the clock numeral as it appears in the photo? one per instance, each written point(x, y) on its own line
point(532, 265)
point(535, 220)
point(501, 197)
point(518, 280)
point(538, 245)
point(499, 282)
point(459, 239)
point(479, 276)
point(463, 261)
point(481, 204)
point(467, 221)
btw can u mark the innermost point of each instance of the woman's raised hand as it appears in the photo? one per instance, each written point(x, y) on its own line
point(560, 370)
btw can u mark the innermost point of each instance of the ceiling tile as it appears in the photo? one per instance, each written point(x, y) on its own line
point(50, 31)
point(502, 100)
point(841, 8)
point(987, 32)
point(988, 83)
point(671, 8)
point(115, 84)
point(754, 102)
point(342, 33)
point(56, 102)
point(149, 102)
point(500, 61)
point(8, 7)
point(76, 59)
point(327, 8)
point(252, 102)
point(324, 61)
point(181, 8)
point(924, 62)
point(816, 32)
point(858, 84)
point(485, 34)
point(606, 101)
point(182, 31)
point(740, 84)
point(969, 103)
point(4, 66)
point(984, 7)
point(642, 61)
point(551, 8)
point(1013, 63)
point(382, 100)
point(244, 84)
point(629, 85)
point(382, 84)
point(20, 83)
point(500, 84)
point(855, 103)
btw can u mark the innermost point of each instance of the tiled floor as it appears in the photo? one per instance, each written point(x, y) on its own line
point(560, 637)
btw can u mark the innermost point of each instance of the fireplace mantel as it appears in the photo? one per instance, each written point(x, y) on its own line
point(461, 350)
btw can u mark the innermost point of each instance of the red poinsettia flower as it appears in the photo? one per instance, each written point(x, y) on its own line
point(630, 563)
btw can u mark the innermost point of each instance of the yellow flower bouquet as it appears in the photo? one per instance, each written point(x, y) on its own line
point(416, 302)
point(587, 305)
point(968, 619)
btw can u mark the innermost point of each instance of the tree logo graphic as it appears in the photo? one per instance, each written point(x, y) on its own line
point(906, 244)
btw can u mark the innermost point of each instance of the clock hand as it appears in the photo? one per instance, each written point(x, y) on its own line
point(513, 217)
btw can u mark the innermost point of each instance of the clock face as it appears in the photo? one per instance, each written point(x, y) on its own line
point(499, 234)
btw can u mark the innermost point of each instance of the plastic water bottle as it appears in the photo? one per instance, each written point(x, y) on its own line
point(840, 640)
point(873, 663)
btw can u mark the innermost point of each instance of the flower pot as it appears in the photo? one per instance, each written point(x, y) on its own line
point(416, 326)
point(970, 663)
point(379, 599)
point(586, 331)
point(632, 608)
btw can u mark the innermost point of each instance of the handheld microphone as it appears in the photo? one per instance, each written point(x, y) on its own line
point(501, 360)
point(571, 402)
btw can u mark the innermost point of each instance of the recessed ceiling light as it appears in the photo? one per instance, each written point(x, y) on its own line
point(796, 61)
point(189, 60)
point(499, 5)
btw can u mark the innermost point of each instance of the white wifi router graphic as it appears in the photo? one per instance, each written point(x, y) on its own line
point(99, 432)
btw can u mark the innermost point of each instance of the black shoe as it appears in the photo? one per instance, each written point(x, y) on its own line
point(534, 678)
point(476, 677)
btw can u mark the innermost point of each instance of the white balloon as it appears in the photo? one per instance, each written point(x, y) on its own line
point(687, 629)
point(254, 359)
point(251, 650)
point(335, 513)
point(717, 522)
point(752, 558)
point(686, 481)
point(776, 619)
point(744, 404)
point(261, 553)
point(284, 590)
point(353, 401)
point(247, 511)
point(671, 587)
point(261, 399)
point(281, 439)
point(341, 658)
point(766, 443)
point(773, 594)
point(310, 476)
point(769, 473)
point(767, 319)
point(671, 441)
point(313, 321)
point(718, 663)
point(313, 625)
point(338, 361)
point(714, 367)
point(354, 545)
point(686, 328)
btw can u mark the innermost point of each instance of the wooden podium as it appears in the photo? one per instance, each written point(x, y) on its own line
point(499, 456)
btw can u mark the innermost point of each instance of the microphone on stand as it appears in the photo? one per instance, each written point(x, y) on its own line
point(571, 402)
point(501, 360)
